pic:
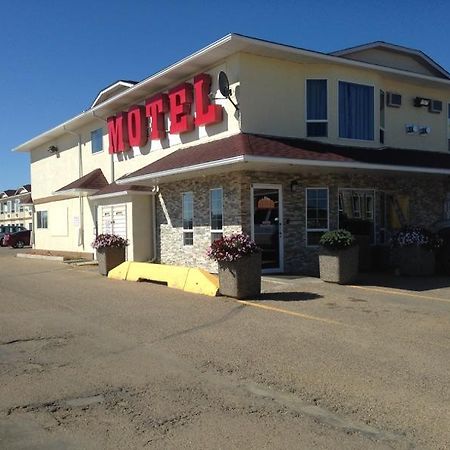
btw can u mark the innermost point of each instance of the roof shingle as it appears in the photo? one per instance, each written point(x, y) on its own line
point(292, 148)
point(93, 180)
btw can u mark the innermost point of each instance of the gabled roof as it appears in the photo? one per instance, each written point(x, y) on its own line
point(419, 56)
point(87, 184)
point(112, 90)
point(115, 190)
point(7, 193)
point(275, 152)
point(26, 188)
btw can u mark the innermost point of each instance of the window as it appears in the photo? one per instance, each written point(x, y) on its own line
point(356, 205)
point(42, 219)
point(316, 108)
point(316, 214)
point(382, 116)
point(357, 213)
point(356, 111)
point(97, 140)
point(216, 213)
point(188, 218)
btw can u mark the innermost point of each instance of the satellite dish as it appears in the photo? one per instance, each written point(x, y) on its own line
point(224, 88)
point(224, 84)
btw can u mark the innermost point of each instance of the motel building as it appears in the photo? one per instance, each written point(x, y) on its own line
point(289, 144)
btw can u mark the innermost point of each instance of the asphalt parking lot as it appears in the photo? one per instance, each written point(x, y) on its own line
point(91, 363)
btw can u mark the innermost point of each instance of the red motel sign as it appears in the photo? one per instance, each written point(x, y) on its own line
point(129, 129)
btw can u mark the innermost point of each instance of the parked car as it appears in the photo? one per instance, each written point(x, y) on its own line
point(8, 229)
point(18, 239)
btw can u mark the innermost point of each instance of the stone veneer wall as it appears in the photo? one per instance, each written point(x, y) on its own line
point(169, 218)
point(426, 194)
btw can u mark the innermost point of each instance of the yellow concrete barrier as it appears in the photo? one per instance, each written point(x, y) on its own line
point(197, 281)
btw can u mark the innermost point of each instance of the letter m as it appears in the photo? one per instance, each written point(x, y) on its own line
point(118, 133)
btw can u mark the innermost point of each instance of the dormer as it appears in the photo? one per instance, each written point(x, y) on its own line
point(7, 193)
point(112, 90)
point(394, 56)
point(23, 189)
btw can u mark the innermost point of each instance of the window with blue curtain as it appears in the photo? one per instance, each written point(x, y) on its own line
point(316, 108)
point(97, 140)
point(356, 116)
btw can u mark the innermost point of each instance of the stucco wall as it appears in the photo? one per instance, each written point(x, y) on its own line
point(64, 223)
point(272, 99)
point(142, 232)
point(50, 172)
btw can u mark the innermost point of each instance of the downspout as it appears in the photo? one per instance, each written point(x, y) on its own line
point(80, 197)
point(156, 193)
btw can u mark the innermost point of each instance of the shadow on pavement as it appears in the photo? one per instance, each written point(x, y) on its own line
point(403, 282)
point(288, 296)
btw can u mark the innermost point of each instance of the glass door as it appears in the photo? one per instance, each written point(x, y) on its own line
point(267, 225)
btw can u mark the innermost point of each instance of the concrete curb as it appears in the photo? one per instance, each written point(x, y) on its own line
point(48, 258)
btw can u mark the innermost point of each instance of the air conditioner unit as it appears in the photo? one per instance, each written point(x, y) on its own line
point(394, 100)
point(435, 106)
point(421, 101)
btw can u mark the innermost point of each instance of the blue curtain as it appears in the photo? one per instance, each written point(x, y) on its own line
point(356, 111)
point(316, 99)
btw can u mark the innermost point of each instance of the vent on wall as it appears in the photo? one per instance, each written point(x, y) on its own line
point(394, 100)
point(435, 106)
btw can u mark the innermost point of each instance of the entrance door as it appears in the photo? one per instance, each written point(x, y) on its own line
point(267, 230)
point(114, 220)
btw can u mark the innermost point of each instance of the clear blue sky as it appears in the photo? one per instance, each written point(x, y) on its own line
point(57, 55)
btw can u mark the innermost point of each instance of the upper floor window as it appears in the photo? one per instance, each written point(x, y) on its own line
point(188, 218)
point(42, 219)
point(316, 108)
point(97, 140)
point(356, 116)
point(216, 213)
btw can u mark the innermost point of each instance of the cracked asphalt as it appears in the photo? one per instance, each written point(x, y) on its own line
point(90, 363)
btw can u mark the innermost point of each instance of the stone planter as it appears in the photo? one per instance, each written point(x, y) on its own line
point(339, 266)
point(241, 278)
point(109, 257)
point(415, 261)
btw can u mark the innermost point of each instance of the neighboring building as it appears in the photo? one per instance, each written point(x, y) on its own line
point(356, 139)
point(16, 207)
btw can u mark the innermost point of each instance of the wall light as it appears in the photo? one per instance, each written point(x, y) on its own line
point(294, 186)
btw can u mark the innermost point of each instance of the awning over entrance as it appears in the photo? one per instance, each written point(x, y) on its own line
point(86, 185)
point(117, 190)
point(257, 150)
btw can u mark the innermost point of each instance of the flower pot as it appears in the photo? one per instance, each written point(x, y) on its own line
point(415, 261)
point(241, 278)
point(339, 266)
point(109, 257)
